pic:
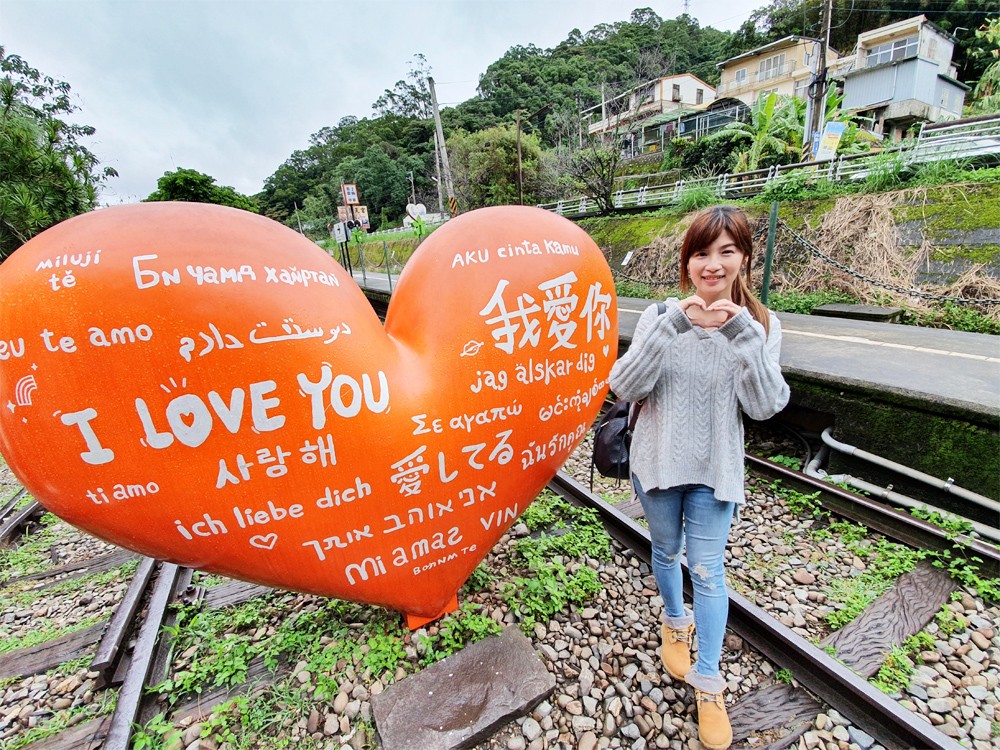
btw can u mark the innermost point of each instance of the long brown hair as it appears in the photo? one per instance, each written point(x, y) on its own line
point(704, 230)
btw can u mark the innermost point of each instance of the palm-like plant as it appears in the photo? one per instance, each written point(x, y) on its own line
point(855, 140)
point(773, 131)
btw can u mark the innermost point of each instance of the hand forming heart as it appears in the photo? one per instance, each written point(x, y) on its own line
point(708, 316)
point(206, 386)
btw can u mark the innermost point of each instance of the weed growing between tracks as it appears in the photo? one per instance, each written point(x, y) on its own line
point(31, 555)
point(878, 562)
point(103, 705)
point(320, 644)
point(550, 586)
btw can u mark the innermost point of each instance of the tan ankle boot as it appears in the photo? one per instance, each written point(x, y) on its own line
point(714, 730)
point(676, 650)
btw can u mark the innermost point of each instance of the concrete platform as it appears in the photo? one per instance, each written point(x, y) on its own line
point(925, 398)
point(954, 369)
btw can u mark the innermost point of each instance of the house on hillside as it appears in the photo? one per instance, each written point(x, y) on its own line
point(899, 75)
point(669, 94)
point(785, 67)
point(693, 123)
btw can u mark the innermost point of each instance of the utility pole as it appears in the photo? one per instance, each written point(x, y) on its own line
point(818, 88)
point(579, 120)
point(520, 179)
point(413, 190)
point(437, 168)
point(452, 203)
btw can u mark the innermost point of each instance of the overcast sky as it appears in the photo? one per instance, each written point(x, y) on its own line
point(232, 87)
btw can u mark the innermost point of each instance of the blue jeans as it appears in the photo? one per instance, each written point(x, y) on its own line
point(691, 510)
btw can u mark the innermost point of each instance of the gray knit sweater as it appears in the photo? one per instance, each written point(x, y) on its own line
point(694, 382)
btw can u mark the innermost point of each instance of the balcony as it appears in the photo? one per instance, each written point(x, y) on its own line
point(758, 80)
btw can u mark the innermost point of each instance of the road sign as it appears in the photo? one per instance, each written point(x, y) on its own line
point(830, 140)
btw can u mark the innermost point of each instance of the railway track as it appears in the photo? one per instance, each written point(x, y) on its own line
point(839, 686)
point(135, 646)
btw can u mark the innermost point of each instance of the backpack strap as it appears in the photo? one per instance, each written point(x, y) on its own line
point(661, 308)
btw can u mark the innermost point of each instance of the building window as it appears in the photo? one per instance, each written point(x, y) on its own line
point(741, 77)
point(771, 67)
point(699, 96)
point(889, 51)
point(676, 93)
point(802, 89)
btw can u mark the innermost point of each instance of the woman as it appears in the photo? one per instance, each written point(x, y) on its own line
point(696, 367)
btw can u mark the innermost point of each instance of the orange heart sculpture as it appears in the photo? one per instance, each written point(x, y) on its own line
point(205, 386)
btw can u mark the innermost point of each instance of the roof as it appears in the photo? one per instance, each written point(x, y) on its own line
point(783, 42)
point(666, 117)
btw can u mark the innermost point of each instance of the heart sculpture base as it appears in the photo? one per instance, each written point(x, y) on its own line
point(415, 622)
point(205, 386)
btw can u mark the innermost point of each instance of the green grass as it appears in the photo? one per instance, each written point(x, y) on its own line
point(896, 670)
point(954, 317)
point(44, 630)
point(790, 462)
point(32, 554)
point(885, 561)
point(95, 581)
point(549, 585)
point(565, 529)
point(49, 726)
point(804, 302)
point(457, 630)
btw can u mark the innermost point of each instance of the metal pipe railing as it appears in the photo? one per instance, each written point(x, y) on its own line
point(980, 134)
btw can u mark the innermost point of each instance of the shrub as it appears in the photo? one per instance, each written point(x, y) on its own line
point(793, 301)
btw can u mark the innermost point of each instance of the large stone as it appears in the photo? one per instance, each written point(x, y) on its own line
point(463, 699)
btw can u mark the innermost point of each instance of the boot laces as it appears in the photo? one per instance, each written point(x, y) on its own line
point(680, 635)
point(717, 698)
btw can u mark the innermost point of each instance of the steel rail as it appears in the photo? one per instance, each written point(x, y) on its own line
point(887, 520)
point(866, 706)
point(131, 693)
point(110, 648)
point(11, 503)
point(879, 516)
point(19, 519)
point(882, 517)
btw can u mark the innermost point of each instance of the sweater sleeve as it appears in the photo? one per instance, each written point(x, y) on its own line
point(760, 386)
point(634, 375)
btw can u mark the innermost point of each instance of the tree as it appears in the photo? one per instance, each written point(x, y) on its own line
point(484, 166)
point(46, 174)
point(195, 187)
point(986, 95)
point(308, 169)
point(383, 181)
point(410, 97)
point(595, 167)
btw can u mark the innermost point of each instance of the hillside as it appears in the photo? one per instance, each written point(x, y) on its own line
point(942, 241)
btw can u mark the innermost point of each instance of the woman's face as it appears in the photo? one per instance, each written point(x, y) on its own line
point(713, 269)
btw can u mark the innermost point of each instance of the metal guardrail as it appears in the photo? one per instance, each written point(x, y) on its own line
point(398, 230)
point(961, 140)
